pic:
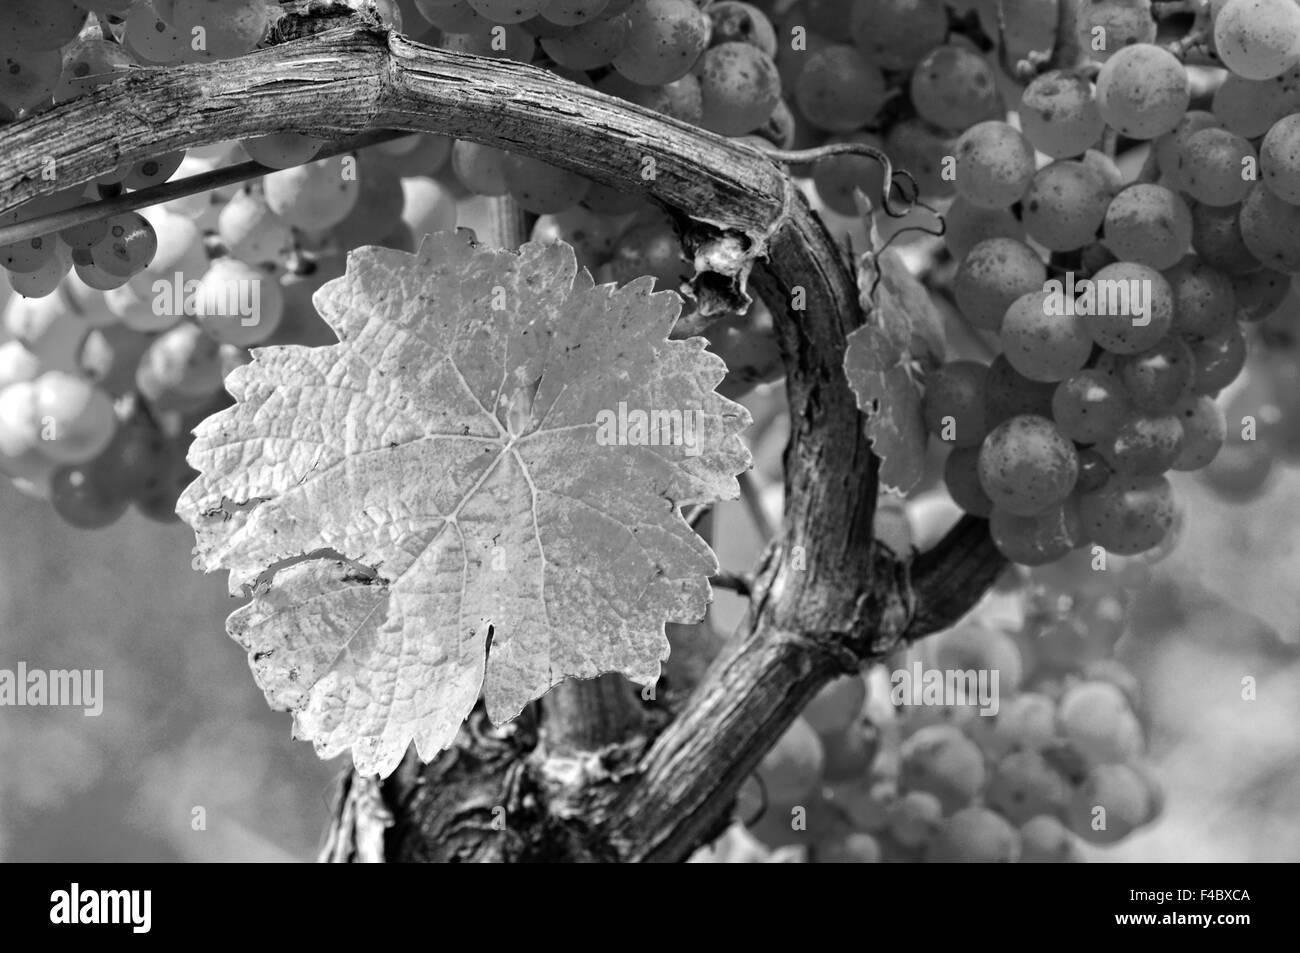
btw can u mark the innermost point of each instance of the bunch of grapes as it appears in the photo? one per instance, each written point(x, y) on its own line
point(1049, 759)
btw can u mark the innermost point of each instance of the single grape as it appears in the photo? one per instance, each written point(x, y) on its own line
point(954, 403)
point(282, 150)
point(1204, 432)
point(1046, 840)
point(1216, 237)
point(1142, 91)
point(1279, 159)
point(1064, 206)
point(1145, 445)
point(953, 86)
point(1059, 115)
point(152, 38)
point(1039, 539)
point(1216, 167)
point(995, 164)
point(961, 477)
point(792, 769)
point(855, 848)
point(1219, 359)
point(941, 761)
point(897, 33)
point(427, 207)
point(238, 304)
point(480, 168)
point(665, 38)
point(737, 22)
point(314, 196)
point(1026, 465)
point(127, 247)
point(1129, 515)
point(1160, 376)
point(1089, 406)
point(153, 171)
point(29, 254)
point(76, 417)
point(994, 274)
point(1008, 393)
point(1249, 108)
point(1258, 39)
point(80, 501)
point(229, 28)
point(181, 366)
point(1258, 295)
point(591, 45)
point(848, 753)
point(542, 188)
point(838, 90)
point(28, 78)
point(251, 231)
point(1149, 224)
point(1133, 307)
point(1042, 340)
point(180, 257)
point(739, 86)
point(975, 835)
point(46, 25)
point(915, 819)
point(837, 706)
point(43, 280)
point(1107, 26)
point(1024, 786)
point(1205, 301)
point(1270, 229)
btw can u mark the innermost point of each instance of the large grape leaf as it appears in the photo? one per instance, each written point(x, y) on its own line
point(903, 330)
point(424, 511)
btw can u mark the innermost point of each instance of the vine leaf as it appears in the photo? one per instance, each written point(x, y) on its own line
point(882, 361)
point(446, 501)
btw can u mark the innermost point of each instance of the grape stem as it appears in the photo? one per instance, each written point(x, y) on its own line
point(825, 599)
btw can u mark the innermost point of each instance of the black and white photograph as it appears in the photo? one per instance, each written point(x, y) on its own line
point(651, 431)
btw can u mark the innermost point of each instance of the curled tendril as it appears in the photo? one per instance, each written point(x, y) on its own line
point(892, 175)
point(893, 179)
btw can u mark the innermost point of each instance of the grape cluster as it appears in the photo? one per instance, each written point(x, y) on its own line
point(1120, 305)
point(865, 775)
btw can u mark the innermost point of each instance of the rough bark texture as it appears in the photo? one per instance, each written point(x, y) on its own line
point(595, 775)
